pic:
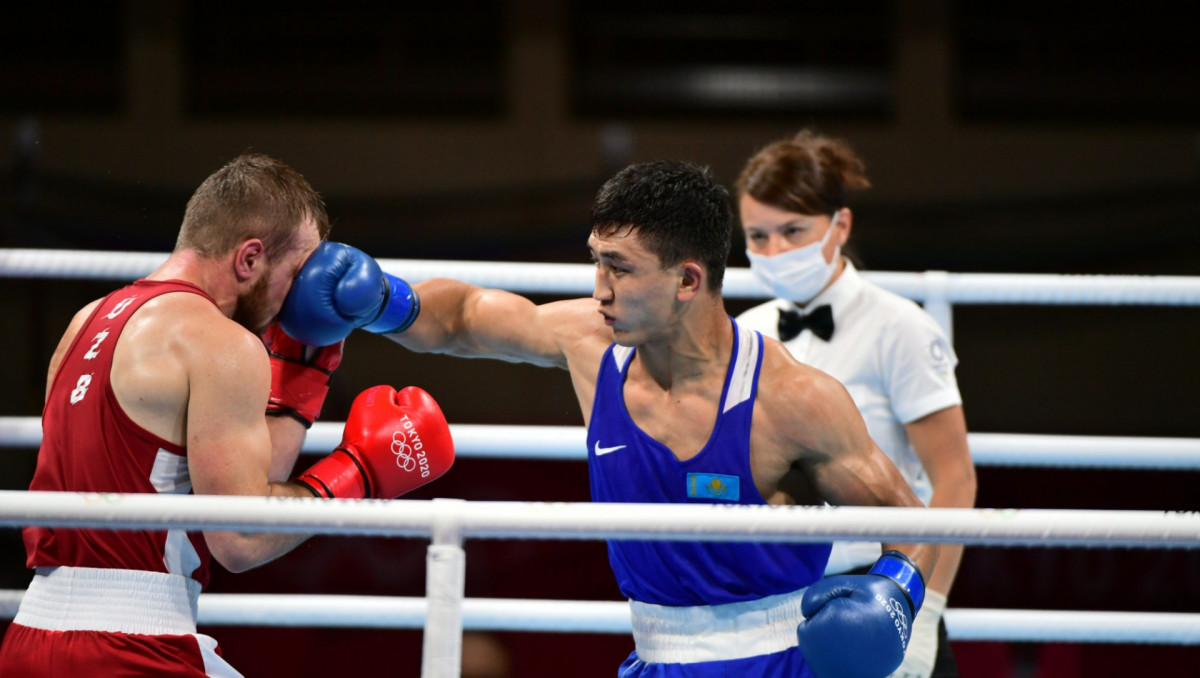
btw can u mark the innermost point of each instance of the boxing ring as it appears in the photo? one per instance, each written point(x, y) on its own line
point(445, 613)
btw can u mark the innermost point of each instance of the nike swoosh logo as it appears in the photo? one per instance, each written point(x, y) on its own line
point(600, 451)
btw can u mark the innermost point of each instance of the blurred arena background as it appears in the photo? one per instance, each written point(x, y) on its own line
point(1000, 137)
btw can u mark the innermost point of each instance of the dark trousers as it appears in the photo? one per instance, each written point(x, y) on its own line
point(944, 666)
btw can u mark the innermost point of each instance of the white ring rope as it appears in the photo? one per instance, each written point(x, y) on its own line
point(540, 278)
point(568, 443)
point(587, 520)
point(594, 521)
point(612, 617)
point(448, 521)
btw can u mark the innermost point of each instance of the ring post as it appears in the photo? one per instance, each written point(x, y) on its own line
point(446, 564)
point(937, 301)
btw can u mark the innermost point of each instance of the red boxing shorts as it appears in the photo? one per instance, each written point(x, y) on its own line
point(97, 622)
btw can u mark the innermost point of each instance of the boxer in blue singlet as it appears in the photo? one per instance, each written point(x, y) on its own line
point(687, 407)
point(626, 465)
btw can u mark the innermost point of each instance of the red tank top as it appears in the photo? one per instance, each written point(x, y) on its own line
point(89, 444)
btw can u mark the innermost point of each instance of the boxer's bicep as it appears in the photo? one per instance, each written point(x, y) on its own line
point(832, 443)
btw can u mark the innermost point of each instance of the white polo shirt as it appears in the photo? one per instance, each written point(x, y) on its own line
point(894, 360)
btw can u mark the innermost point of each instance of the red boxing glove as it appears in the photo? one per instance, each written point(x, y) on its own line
point(299, 375)
point(394, 442)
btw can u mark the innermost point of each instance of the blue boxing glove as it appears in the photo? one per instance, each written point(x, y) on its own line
point(341, 288)
point(858, 626)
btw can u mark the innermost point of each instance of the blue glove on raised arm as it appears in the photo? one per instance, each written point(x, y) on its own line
point(341, 288)
point(858, 626)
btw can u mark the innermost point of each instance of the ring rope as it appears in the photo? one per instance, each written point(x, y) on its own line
point(543, 278)
point(568, 443)
point(612, 617)
point(587, 520)
point(714, 523)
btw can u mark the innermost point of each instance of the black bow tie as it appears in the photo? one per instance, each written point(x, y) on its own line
point(820, 321)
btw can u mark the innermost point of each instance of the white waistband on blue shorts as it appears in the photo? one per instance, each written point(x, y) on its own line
point(663, 634)
point(109, 600)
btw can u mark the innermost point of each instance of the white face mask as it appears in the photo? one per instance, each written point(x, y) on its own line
point(797, 275)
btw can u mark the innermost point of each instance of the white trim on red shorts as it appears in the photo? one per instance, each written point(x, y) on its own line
point(110, 600)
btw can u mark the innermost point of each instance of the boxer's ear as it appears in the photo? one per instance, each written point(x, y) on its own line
point(691, 280)
point(248, 259)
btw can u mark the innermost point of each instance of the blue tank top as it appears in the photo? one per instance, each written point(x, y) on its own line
point(627, 465)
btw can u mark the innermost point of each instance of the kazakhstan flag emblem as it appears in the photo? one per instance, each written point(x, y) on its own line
point(713, 486)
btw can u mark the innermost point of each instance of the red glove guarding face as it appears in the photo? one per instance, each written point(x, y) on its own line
point(394, 442)
point(299, 375)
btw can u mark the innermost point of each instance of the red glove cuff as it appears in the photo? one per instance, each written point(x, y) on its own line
point(299, 375)
point(297, 390)
point(337, 476)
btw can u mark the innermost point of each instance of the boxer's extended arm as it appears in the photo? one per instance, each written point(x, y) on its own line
point(472, 322)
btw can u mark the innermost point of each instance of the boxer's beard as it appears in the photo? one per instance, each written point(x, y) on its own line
point(251, 308)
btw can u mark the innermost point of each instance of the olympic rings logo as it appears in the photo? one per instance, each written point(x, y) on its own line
point(403, 451)
point(897, 611)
